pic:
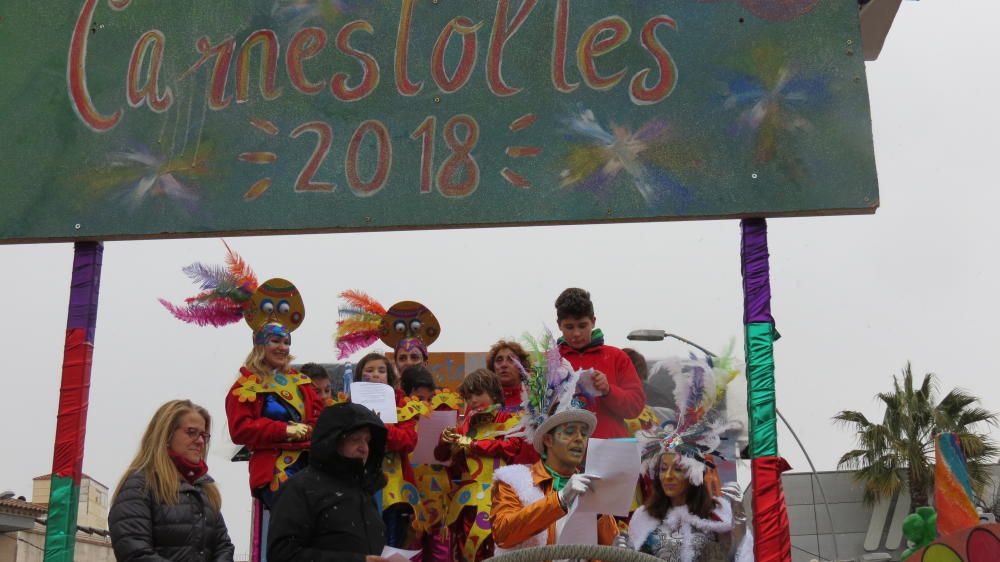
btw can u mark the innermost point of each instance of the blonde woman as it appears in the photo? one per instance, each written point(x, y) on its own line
point(166, 506)
point(272, 409)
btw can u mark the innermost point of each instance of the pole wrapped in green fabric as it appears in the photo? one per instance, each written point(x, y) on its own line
point(760, 395)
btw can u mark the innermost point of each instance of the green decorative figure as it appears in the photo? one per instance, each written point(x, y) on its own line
point(920, 529)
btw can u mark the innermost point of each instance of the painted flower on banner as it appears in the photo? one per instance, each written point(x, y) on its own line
point(774, 10)
point(598, 155)
point(772, 102)
point(138, 176)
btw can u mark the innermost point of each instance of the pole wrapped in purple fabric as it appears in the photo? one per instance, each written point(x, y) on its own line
point(756, 273)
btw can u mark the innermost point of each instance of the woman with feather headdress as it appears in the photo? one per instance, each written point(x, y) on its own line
point(687, 516)
point(271, 408)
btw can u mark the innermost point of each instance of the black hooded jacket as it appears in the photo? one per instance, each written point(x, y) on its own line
point(327, 512)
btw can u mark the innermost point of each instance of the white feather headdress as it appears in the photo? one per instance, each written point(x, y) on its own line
point(549, 392)
point(698, 427)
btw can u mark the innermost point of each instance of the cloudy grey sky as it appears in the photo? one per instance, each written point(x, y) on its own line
point(854, 297)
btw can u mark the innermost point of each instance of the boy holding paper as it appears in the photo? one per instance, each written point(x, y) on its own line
point(618, 391)
point(531, 503)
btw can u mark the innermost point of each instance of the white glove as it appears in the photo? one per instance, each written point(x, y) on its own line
point(732, 491)
point(578, 485)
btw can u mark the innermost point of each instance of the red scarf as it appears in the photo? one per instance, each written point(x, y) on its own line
point(190, 471)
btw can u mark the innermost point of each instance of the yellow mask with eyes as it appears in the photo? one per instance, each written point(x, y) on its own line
point(276, 301)
point(409, 319)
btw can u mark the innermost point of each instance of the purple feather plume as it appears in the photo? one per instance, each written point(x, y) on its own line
point(211, 276)
point(696, 394)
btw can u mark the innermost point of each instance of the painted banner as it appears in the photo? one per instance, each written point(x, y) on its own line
point(132, 119)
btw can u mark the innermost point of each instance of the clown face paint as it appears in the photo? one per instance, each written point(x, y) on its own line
point(276, 352)
point(565, 446)
point(406, 356)
point(673, 479)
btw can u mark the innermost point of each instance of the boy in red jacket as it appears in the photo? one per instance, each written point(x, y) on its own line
point(620, 393)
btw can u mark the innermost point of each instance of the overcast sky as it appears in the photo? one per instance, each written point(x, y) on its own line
point(854, 297)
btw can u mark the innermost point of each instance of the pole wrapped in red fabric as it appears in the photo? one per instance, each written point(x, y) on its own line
point(772, 542)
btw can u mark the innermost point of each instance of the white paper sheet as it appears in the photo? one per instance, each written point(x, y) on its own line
point(397, 555)
point(617, 463)
point(586, 382)
point(377, 397)
point(429, 430)
point(577, 527)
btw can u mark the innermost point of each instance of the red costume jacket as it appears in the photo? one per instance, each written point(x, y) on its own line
point(625, 400)
point(263, 436)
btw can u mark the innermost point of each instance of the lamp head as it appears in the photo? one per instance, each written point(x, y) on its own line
point(647, 335)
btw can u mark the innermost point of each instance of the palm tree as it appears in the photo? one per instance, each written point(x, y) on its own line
point(903, 444)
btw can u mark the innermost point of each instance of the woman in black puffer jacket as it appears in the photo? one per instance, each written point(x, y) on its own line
point(166, 506)
point(327, 512)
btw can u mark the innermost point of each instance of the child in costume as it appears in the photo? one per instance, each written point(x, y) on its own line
point(320, 380)
point(271, 408)
point(405, 326)
point(688, 516)
point(477, 449)
point(433, 481)
point(399, 497)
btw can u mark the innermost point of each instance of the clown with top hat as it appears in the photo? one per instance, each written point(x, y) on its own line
point(529, 501)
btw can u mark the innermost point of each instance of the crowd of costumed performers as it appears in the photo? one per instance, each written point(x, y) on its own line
point(332, 481)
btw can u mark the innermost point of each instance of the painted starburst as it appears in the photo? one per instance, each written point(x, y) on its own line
point(772, 102)
point(598, 155)
point(136, 176)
